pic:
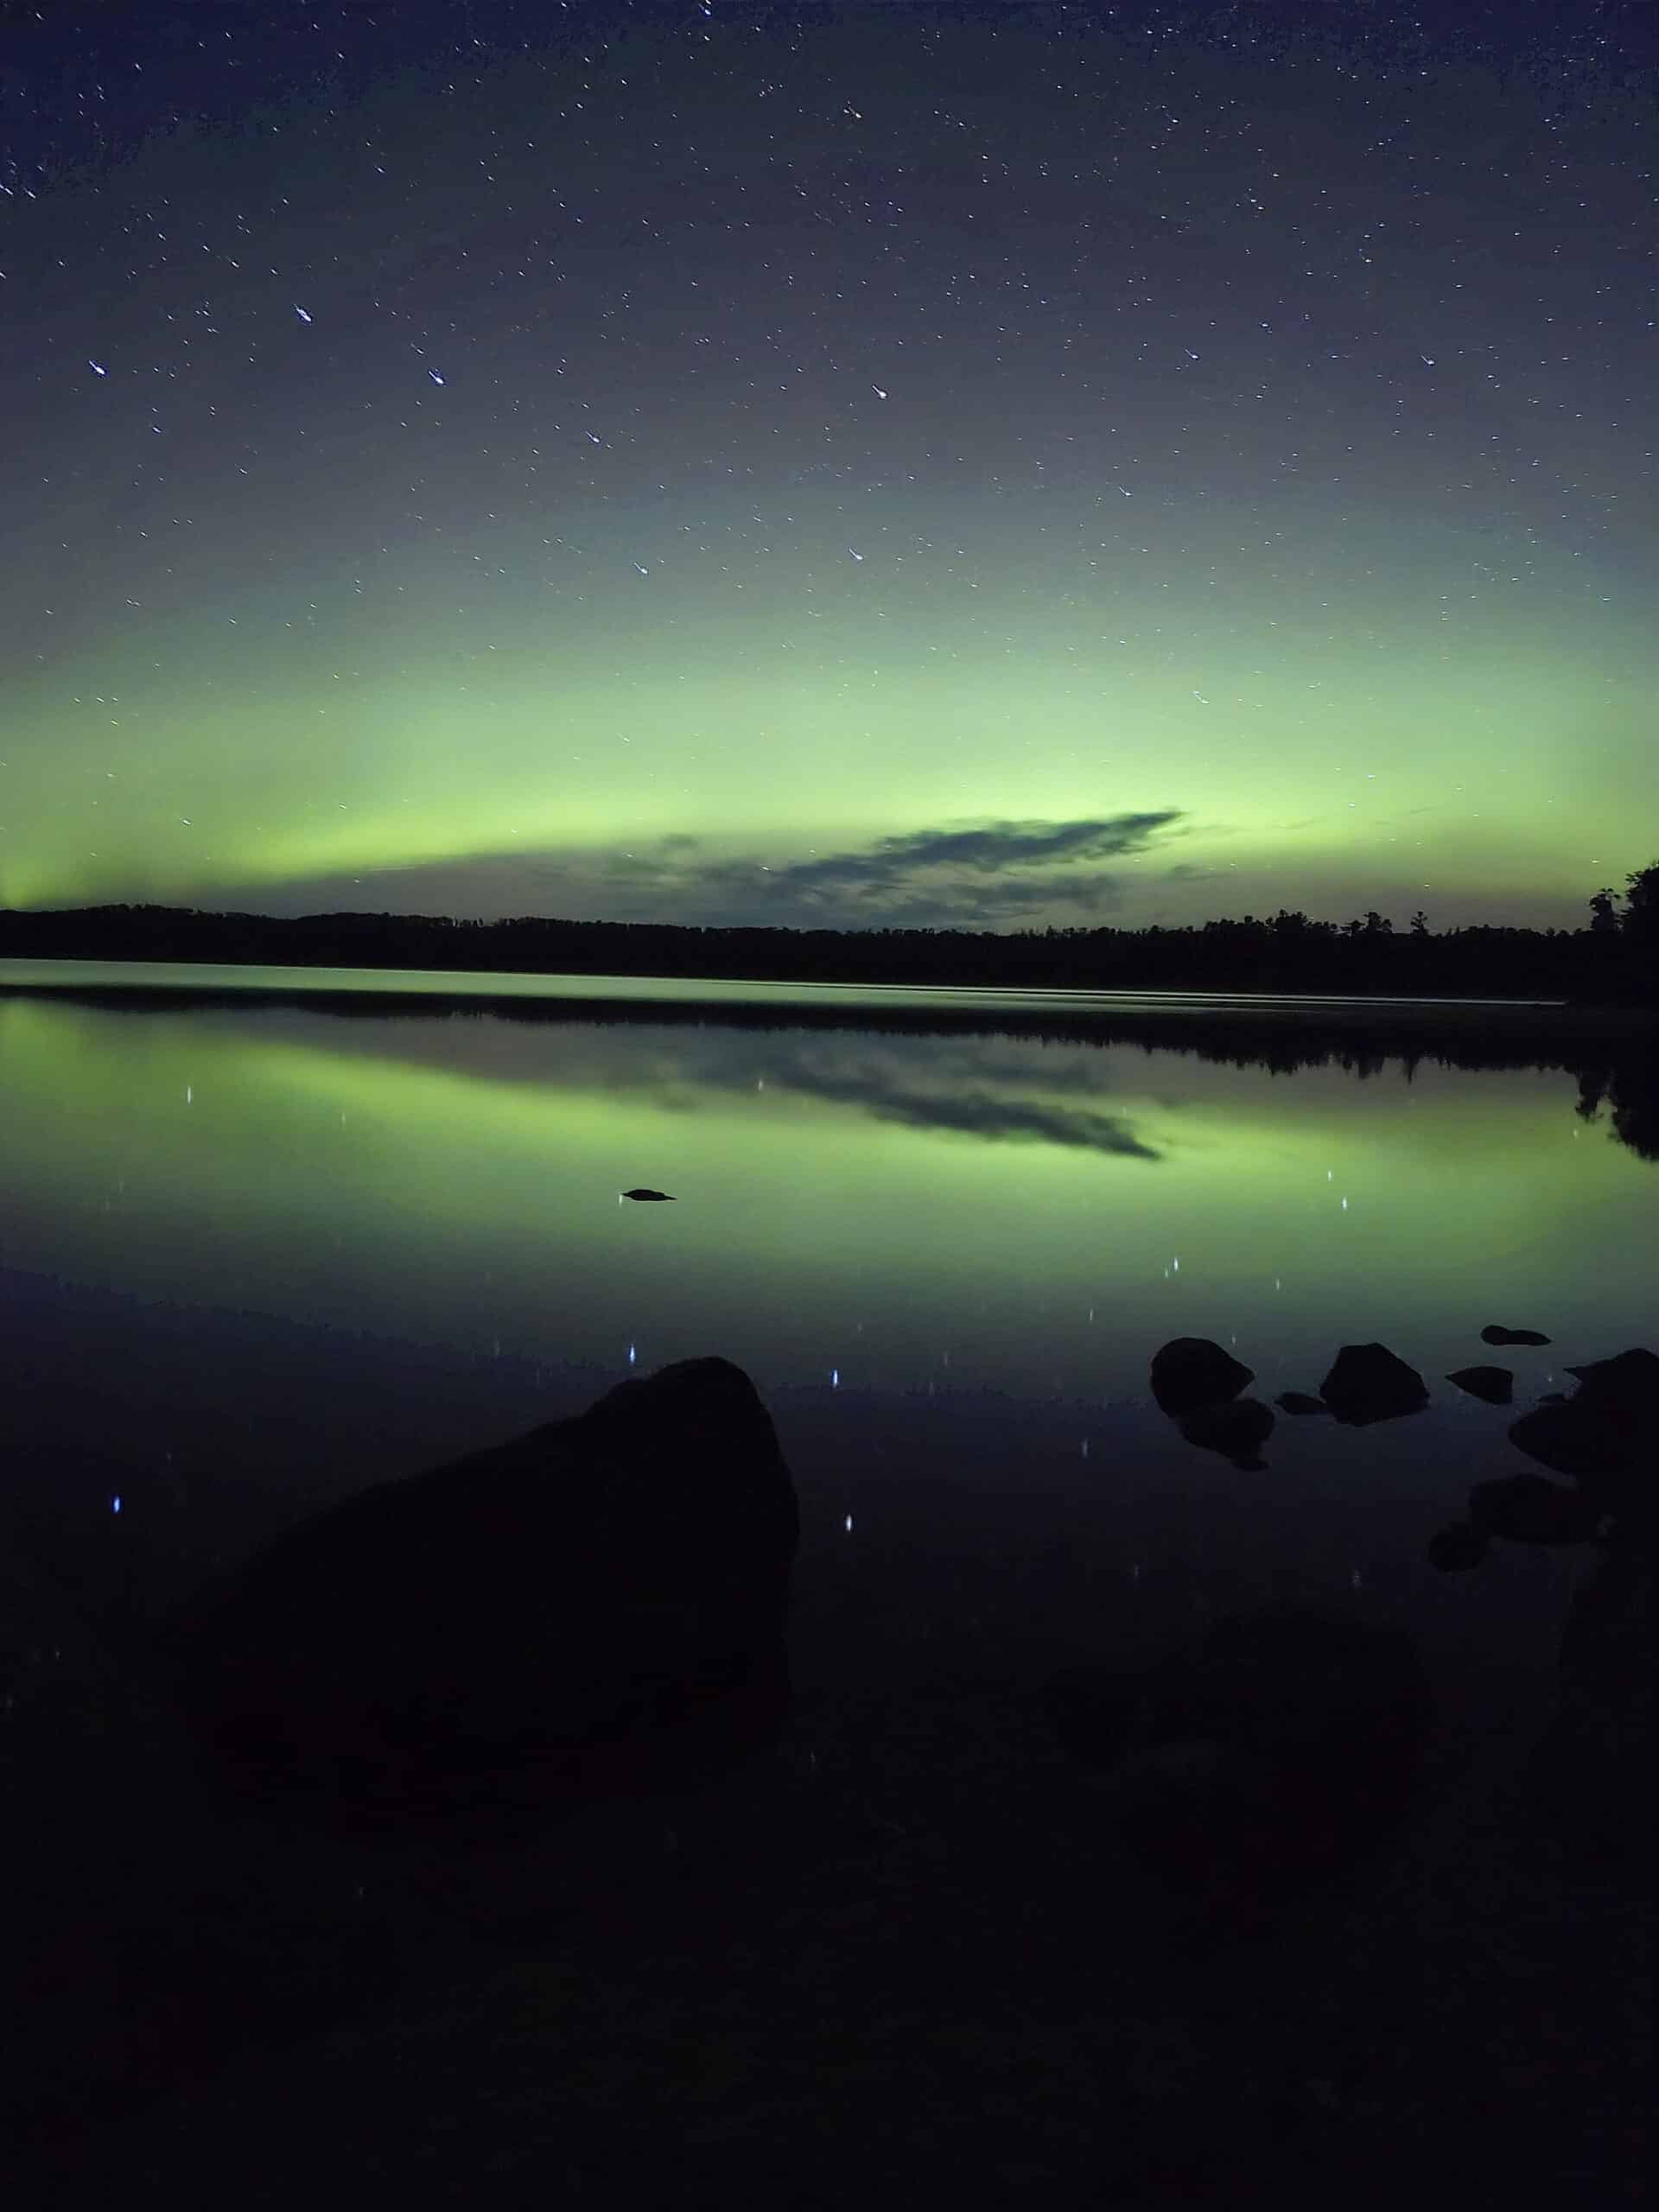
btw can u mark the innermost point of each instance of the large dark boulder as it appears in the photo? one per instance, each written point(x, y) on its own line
point(598, 1602)
point(1273, 1750)
point(1495, 1385)
point(1193, 1371)
point(1605, 1435)
point(1237, 1430)
point(1572, 1439)
point(1369, 1382)
point(1629, 1380)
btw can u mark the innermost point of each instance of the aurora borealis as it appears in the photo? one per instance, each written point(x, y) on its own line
point(850, 465)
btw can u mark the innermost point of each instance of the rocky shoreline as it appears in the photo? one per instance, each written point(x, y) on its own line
point(1237, 1916)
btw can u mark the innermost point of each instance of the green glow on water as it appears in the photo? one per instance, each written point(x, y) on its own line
point(903, 1209)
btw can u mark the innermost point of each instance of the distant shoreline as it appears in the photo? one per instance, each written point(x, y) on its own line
point(967, 1005)
point(1252, 960)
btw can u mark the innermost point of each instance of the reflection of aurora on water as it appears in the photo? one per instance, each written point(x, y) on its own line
point(861, 1187)
point(984, 1091)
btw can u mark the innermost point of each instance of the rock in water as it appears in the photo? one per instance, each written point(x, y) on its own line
point(1300, 1401)
point(1629, 1379)
point(1496, 1385)
point(667, 1197)
point(1193, 1371)
point(601, 1600)
point(1605, 1435)
point(1495, 1333)
point(1369, 1382)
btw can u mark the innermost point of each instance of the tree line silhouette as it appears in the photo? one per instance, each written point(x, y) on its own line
point(1612, 961)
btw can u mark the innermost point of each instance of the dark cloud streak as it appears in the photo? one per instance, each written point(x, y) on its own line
point(983, 875)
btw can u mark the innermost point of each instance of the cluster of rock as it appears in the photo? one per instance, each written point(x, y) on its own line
point(1197, 1384)
point(603, 1603)
point(1282, 1742)
point(1604, 1437)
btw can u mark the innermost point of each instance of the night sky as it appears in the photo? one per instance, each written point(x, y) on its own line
point(829, 465)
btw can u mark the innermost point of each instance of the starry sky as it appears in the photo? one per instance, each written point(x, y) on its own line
point(837, 465)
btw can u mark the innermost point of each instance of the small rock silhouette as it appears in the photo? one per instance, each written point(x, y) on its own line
point(1193, 1371)
point(667, 1195)
point(1494, 1333)
point(1300, 1401)
point(1494, 1384)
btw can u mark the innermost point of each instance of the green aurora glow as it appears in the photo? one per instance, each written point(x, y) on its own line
point(1285, 476)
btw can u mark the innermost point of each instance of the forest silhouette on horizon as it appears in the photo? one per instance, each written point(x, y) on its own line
point(1613, 960)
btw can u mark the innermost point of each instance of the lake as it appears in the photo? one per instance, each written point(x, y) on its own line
point(270, 1235)
point(267, 1236)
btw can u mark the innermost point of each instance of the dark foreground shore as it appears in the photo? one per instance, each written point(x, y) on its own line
point(901, 1951)
point(900, 1962)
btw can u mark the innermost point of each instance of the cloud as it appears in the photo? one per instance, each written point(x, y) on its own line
point(971, 875)
point(989, 849)
point(968, 876)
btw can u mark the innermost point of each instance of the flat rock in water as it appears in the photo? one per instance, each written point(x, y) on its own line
point(1300, 1401)
point(603, 1592)
point(1495, 1333)
point(1496, 1385)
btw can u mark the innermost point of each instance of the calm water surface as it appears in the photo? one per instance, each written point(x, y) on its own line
point(253, 1252)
